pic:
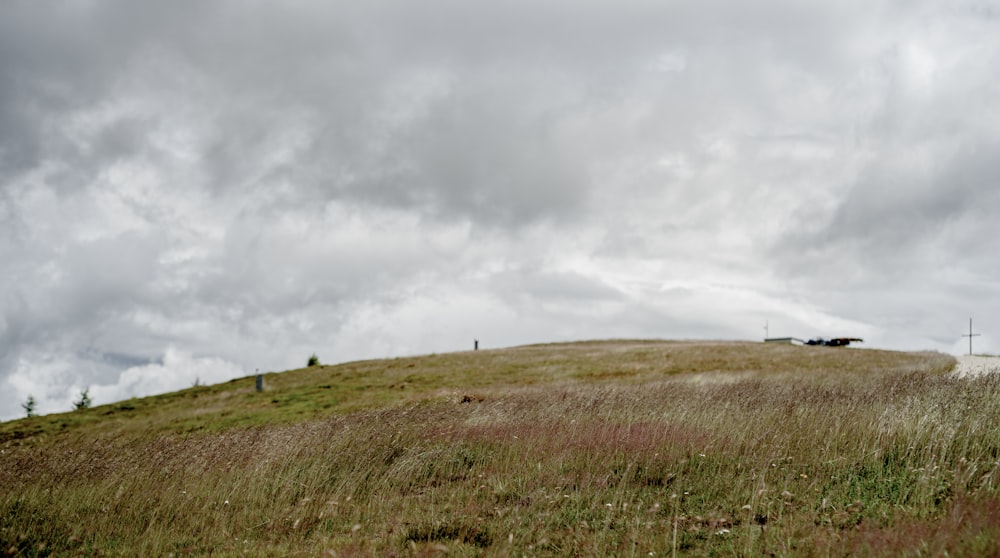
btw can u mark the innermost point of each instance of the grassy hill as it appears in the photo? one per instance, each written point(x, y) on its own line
point(585, 449)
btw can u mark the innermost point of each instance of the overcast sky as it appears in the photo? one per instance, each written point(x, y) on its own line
point(196, 189)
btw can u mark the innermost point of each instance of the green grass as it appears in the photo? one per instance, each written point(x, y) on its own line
point(623, 448)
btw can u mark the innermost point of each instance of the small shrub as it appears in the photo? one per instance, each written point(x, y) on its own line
point(29, 406)
point(84, 402)
point(313, 360)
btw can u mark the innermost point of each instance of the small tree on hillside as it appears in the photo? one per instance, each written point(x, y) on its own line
point(313, 360)
point(84, 401)
point(29, 406)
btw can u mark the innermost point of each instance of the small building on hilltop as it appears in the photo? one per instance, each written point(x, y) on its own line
point(785, 340)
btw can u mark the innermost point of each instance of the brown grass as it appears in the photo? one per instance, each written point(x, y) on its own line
point(590, 449)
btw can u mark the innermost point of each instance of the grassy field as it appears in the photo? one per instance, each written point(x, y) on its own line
point(618, 448)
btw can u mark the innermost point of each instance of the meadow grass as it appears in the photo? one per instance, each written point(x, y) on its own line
point(624, 448)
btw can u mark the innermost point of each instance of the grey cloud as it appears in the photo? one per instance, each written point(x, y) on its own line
point(910, 207)
point(52, 63)
point(118, 360)
point(331, 64)
point(529, 286)
point(70, 297)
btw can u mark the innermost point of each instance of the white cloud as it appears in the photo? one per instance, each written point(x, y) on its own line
point(55, 382)
point(178, 370)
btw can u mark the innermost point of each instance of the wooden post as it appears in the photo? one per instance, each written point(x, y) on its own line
point(970, 336)
point(475, 344)
point(260, 381)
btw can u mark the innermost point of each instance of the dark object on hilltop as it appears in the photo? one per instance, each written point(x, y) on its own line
point(313, 360)
point(835, 342)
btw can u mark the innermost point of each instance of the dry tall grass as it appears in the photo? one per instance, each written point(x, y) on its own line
point(592, 449)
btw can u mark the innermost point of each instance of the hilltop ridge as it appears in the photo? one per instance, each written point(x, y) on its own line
point(313, 392)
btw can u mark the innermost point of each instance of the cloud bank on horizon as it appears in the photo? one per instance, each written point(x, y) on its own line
point(193, 190)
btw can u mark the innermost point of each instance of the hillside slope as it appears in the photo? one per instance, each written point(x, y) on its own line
point(591, 448)
point(314, 392)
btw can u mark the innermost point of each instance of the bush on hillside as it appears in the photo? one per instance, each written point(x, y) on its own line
point(84, 401)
